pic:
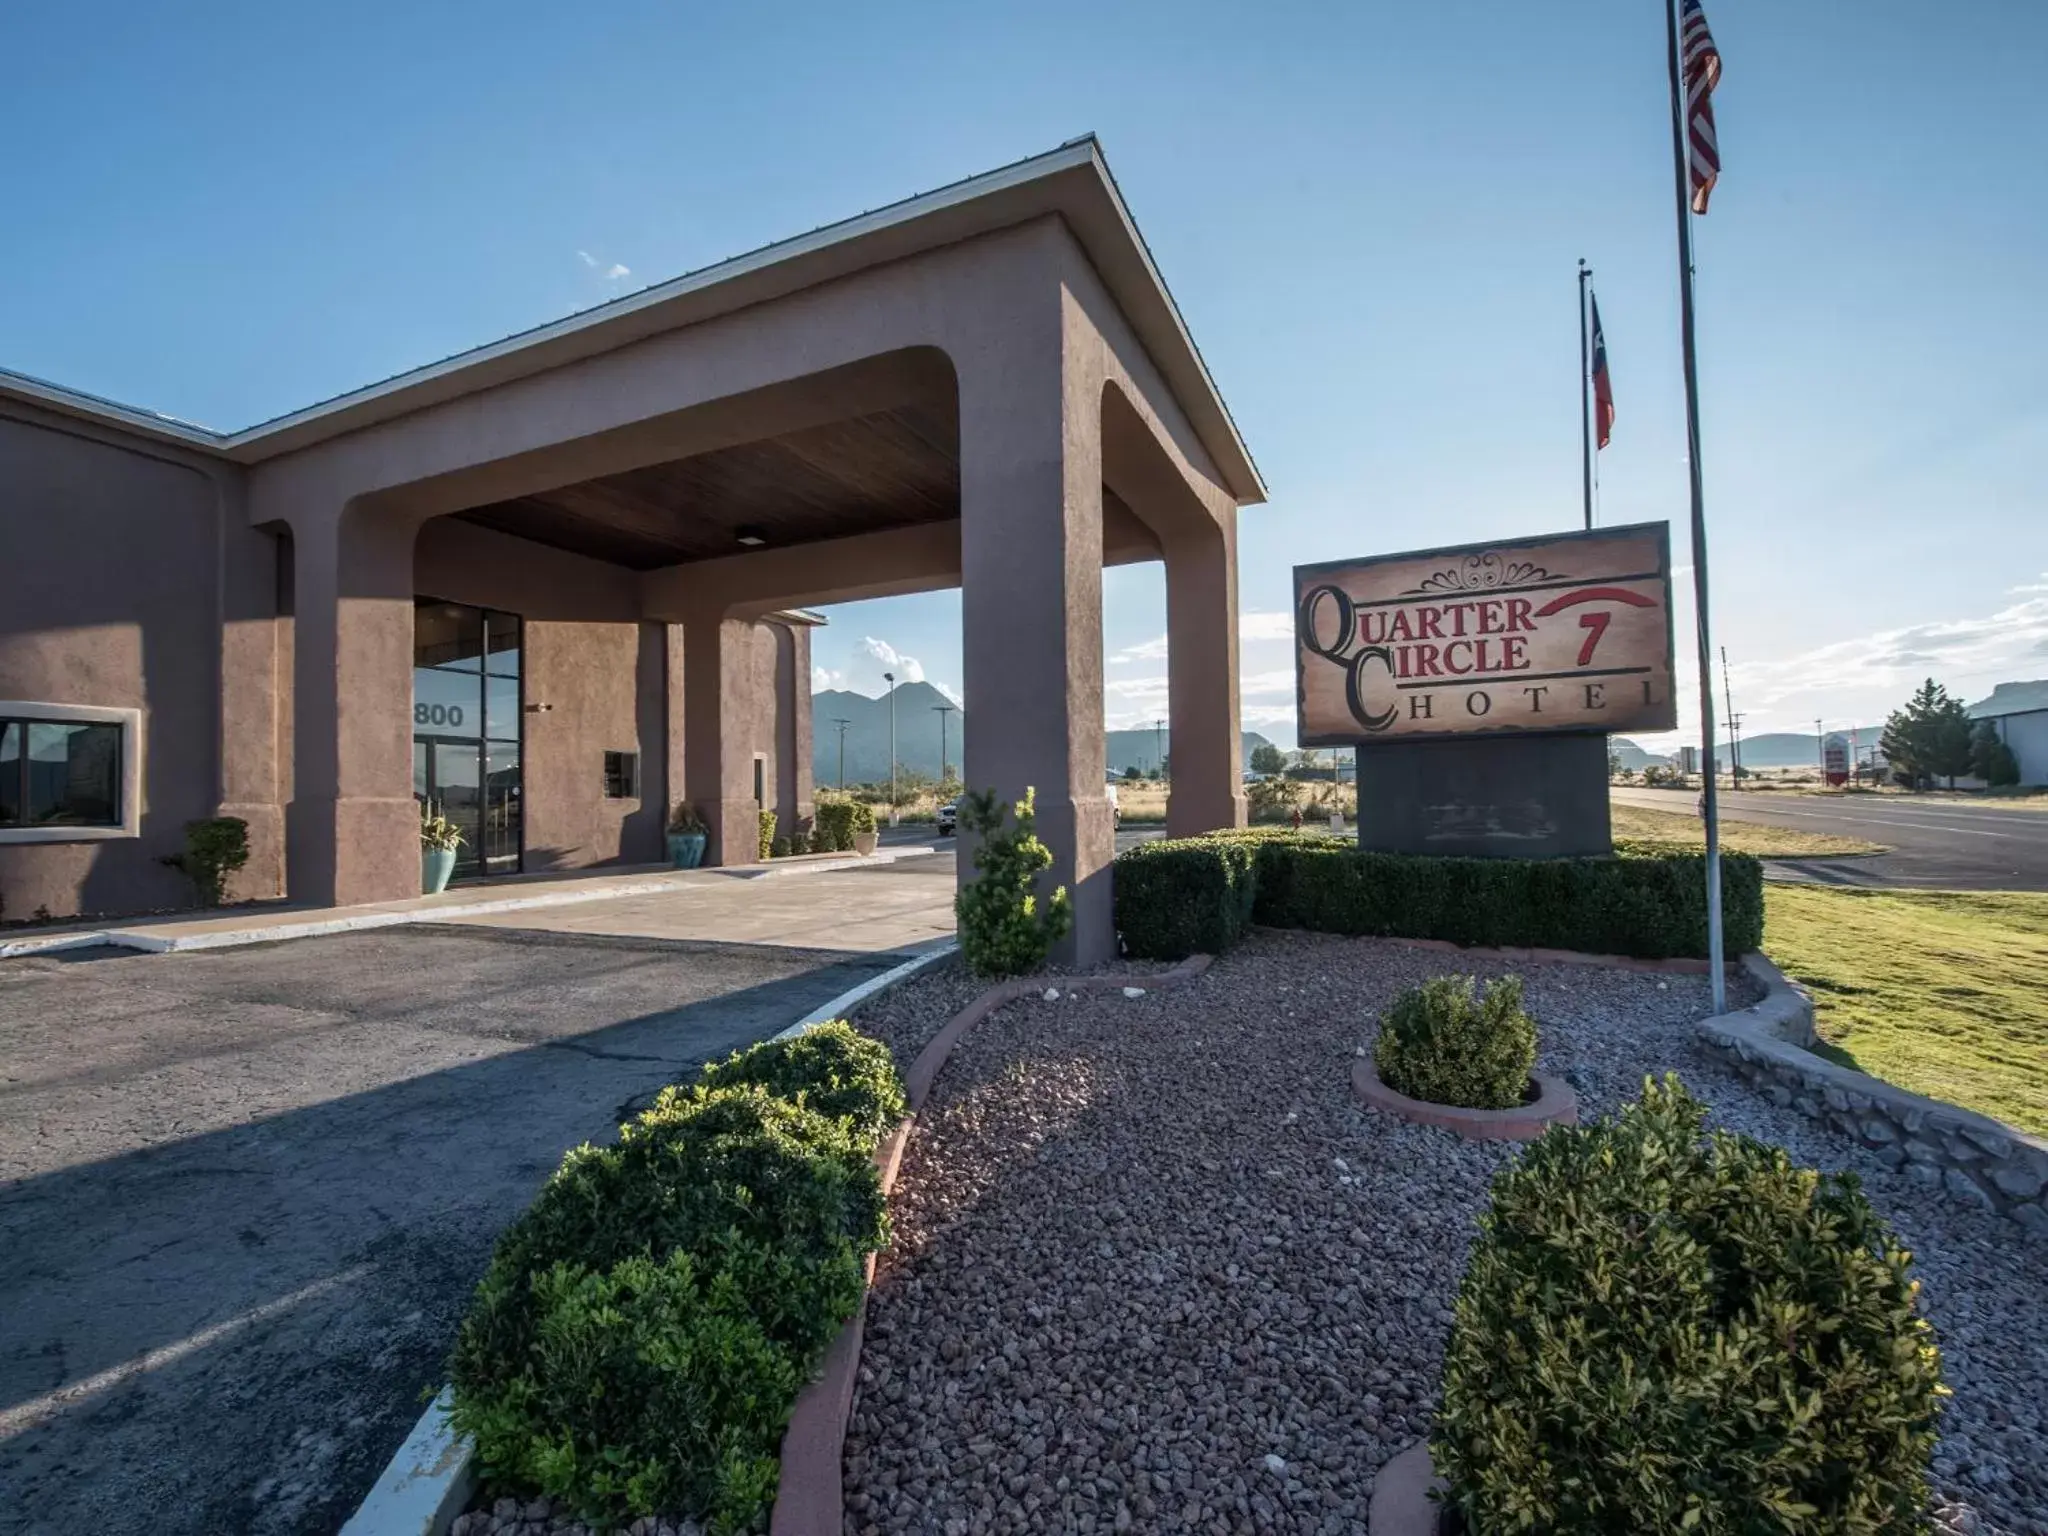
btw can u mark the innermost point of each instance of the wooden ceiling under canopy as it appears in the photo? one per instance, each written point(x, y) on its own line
point(889, 469)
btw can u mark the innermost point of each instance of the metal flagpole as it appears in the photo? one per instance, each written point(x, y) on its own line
point(1710, 810)
point(1585, 398)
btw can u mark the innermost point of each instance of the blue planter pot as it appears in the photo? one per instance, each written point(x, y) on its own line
point(436, 865)
point(686, 849)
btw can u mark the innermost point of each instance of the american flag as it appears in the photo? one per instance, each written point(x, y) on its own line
point(1603, 386)
point(1700, 62)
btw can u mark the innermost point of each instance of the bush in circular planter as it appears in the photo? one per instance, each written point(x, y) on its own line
point(1662, 1333)
point(1446, 1043)
point(643, 1329)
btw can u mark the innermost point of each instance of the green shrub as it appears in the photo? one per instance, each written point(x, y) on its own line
point(1648, 900)
point(1657, 1333)
point(1005, 930)
point(1651, 906)
point(832, 1069)
point(800, 839)
point(774, 1206)
point(1443, 1043)
point(767, 835)
point(1184, 897)
point(214, 849)
point(779, 849)
point(837, 821)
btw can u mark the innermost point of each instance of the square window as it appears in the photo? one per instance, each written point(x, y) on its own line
point(622, 775)
point(66, 772)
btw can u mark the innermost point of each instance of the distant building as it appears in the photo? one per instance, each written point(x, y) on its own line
point(2020, 712)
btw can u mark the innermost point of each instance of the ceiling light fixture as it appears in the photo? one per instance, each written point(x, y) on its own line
point(751, 537)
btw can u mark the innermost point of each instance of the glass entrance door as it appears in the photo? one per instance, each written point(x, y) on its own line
point(467, 728)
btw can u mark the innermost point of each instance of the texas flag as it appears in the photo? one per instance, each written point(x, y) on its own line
point(1603, 386)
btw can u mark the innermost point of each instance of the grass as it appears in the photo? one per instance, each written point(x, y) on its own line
point(1634, 822)
point(1942, 992)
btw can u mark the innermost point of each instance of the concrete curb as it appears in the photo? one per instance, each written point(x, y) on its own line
point(1975, 1160)
point(1401, 1505)
point(430, 1480)
point(1555, 1104)
point(810, 1500)
point(311, 927)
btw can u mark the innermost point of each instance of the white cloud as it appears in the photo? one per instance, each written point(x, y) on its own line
point(611, 272)
point(908, 669)
point(823, 678)
point(1260, 684)
point(1148, 650)
point(1265, 626)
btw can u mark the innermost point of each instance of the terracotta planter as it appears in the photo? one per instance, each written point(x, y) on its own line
point(1551, 1102)
point(436, 865)
point(686, 849)
point(864, 842)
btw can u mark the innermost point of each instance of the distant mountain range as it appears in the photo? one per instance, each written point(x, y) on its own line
point(917, 736)
point(917, 740)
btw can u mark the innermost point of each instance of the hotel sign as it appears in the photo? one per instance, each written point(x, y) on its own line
point(1566, 633)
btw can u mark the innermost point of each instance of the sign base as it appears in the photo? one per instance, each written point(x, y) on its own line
point(1525, 797)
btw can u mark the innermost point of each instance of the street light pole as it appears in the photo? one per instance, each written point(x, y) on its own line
point(942, 711)
point(1159, 745)
point(842, 724)
point(890, 679)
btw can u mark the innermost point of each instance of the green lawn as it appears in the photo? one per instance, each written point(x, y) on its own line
point(1942, 992)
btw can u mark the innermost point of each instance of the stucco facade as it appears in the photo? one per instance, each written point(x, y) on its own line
point(985, 387)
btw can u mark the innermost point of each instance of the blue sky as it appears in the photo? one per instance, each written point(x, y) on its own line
point(1369, 213)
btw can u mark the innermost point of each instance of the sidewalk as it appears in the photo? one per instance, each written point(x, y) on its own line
point(268, 922)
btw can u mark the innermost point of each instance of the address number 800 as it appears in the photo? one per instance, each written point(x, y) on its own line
point(437, 714)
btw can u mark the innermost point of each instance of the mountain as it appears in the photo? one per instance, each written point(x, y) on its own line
point(867, 733)
point(1787, 749)
point(1633, 756)
point(917, 736)
point(1140, 749)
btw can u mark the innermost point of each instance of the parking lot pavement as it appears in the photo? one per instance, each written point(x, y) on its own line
point(245, 1193)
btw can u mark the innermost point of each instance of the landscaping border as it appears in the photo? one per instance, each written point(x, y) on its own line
point(1401, 1505)
point(1555, 1104)
point(1977, 1161)
point(811, 1498)
point(429, 1481)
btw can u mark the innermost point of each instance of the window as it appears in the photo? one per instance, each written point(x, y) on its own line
point(467, 728)
point(65, 773)
point(622, 775)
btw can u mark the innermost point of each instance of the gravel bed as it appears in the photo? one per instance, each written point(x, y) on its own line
point(1155, 1269)
point(907, 1016)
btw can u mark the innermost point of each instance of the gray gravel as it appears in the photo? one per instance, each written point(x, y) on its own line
point(1154, 1268)
point(907, 1016)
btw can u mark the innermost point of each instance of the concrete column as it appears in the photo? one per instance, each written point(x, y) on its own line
point(1031, 558)
point(718, 710)
point(1201, 679)
point(352, 825)
point(802, 726)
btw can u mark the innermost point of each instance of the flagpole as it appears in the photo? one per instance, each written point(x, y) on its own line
point(1710, 810)
point(1585, 399)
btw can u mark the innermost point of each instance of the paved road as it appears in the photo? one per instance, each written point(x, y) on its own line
point(1935, 843)
point(245, 1193)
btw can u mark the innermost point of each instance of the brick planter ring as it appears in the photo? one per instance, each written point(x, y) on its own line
point(1555, 1104)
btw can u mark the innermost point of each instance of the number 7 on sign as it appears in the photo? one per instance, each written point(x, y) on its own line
point(1597, 624)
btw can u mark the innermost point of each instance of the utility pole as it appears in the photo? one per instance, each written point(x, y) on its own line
point(1159, 745)
point(1734, 727)
point(1585, 398)
point(942, 711)
point(890, 679)
point(1820, 748)
point(842, 724)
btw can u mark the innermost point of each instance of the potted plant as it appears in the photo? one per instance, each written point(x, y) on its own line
point(687, 836)
point(864, 834)
point(439, 838)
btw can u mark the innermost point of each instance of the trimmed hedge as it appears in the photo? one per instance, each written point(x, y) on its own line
point(644, 1328)
point(1194, 895)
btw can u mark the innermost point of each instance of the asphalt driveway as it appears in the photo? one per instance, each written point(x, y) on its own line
point(244, 1193)
point(1940, 844)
